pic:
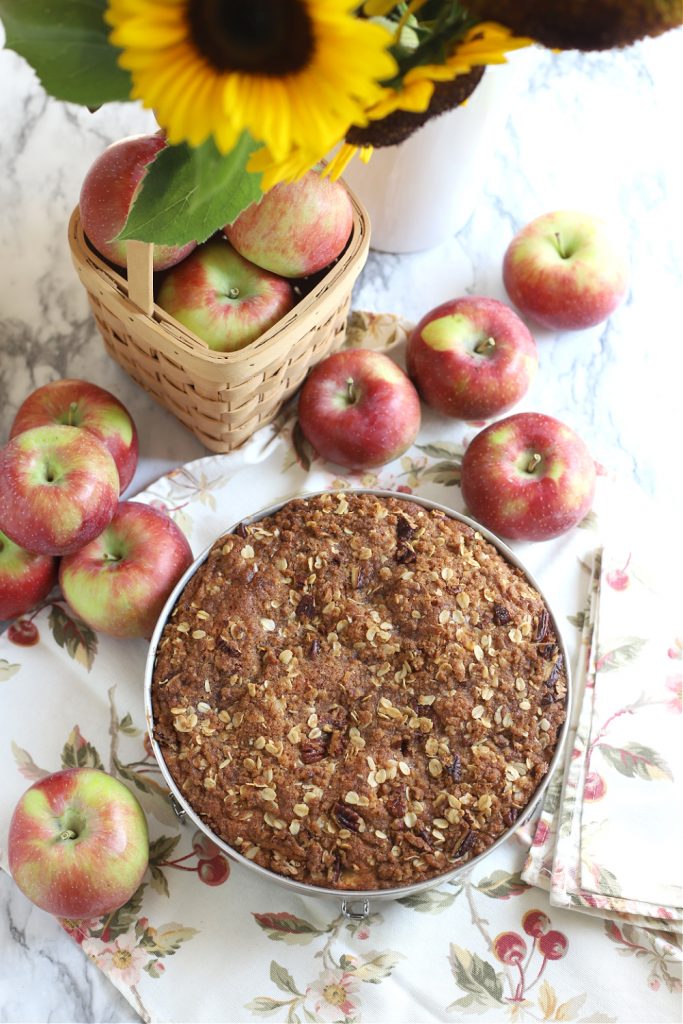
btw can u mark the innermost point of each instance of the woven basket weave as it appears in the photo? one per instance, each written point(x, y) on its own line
point(222, 397)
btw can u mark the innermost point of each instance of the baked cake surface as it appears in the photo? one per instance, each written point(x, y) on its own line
point(357, 692)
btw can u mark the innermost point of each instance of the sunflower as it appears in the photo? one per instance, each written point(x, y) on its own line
point(294, 73)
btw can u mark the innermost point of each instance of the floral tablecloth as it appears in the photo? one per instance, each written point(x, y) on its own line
point(205, 940)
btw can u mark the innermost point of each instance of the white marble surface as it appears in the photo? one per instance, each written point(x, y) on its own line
point(594, 132)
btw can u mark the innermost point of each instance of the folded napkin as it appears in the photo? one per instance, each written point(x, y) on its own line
point(609, 836)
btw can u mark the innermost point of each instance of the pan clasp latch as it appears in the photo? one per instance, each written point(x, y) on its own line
point(355, 915)
point(178, 811)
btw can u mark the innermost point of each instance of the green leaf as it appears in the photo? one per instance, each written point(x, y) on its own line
point(26, 765)
point(621, 655)
point(442, 450)
point(377, 966)
point(125, 917)
point(589, 521)
point(283, 979)
point(263, 1005)
point(475, 976)
point(169, 938)
point(637, 762)
point(162, 848)
point(7, 669)
point(285, 927)
point(158, 880)
point(73, 635)
point(153, 969)
point(79, 753)
point(446, 473)
point(126, 725)
point(67, 46)
point(293, 1017)
point(501, 885)
point(434, 901)
point(577, 620)
point(303, 449)
point(187, 194)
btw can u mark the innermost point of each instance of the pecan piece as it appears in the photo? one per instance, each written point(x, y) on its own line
point(501, 616)
point(547, 651)
point(306, 607)
point(347, 817)
point(555, 671)
point(312, 751)
point(455, 768)
point(241, 530)
point(510, 816)
point(404, 529)
point(396, 805)
point(467, 844)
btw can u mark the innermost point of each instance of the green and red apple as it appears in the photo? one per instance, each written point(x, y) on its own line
point(296, 229)
point(78, 844)
point(528, 477)
point(224, 299)
point(25, 578)
point(358, 409)
point(109, 190)
point(119, 583)
point(566, 270)
point(59, 487)
point(78, 403)
point(471, 358)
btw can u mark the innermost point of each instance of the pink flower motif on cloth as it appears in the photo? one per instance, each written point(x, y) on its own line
point(675, 685)
point(619, 579)
point(123, 959)
point(333, 992)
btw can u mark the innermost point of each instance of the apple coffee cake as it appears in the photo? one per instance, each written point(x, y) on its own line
point(358, 692)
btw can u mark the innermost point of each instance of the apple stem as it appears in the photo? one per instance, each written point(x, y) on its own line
point(68, 833)
point(72, 409)
point(533, 462)
point(234, 292)
point(485, 345)
point(559, 245)
point(351, 393)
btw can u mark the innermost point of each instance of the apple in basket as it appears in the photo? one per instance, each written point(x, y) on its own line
point(528, 477)
point(119, 583)
point(358, 409)
point(77, 403)
point(471, 358)
point(78, 844)
point(107, 194)
point(25, 578)
point(295, 229)
point(567, 270)
point(59, 488)
point(224, 299)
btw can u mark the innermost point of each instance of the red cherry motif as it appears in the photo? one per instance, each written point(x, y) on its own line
point(553, 945)
point(509, 948)
point(204, 847)
point(542, 830)
point(594, 787)
point(214, 871)
point(535, 923)
point(618, 580)
point(24, 633)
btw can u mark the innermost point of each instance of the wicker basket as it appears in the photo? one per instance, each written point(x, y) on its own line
point(222, 397)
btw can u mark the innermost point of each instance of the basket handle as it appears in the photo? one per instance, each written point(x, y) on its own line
point(140, 276)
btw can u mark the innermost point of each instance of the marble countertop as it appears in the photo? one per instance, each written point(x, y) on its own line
point(594, 132)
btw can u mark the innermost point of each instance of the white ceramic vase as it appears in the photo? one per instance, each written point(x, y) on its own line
point(424, 190)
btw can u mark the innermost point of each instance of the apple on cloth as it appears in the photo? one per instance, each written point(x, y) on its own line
point(358, 409)
point(78, 403)
point(78, 844)
point(108, 192)
point(566, 270)
point(528, 477)
point(25, 578)
point(471, 358)
point(59, 488)
point(119, 582)
point(296, 229)
point(224, 299)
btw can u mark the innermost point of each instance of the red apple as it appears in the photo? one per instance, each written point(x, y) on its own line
point(528, 477)
point(119, 583)
point(25, 578)
point(77, 403)
point(78, 844)
point(295, 229)
point(358, 408)
point(225, 300)
point(59, 488)
point(566, 270)
point(108, 192)
point(471, 358)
